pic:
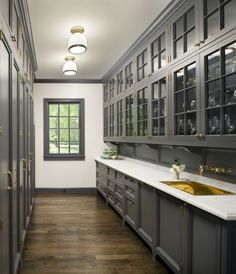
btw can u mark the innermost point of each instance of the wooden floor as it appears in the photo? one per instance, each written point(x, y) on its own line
point(79, 234)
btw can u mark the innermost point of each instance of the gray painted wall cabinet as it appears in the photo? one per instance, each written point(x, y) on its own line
point(187, 239)
point(16, 134)
point(178, 82)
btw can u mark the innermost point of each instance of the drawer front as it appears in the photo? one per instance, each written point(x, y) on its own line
point(120, 177)
point(101, 177)
point(102, 187)
point(110, 185)
point(130, 191)
point(102, 168)
point(131, 183)
point(111, 173)
point(119, 191)
point(131, 212)
point(119, 206)
point(110, 199)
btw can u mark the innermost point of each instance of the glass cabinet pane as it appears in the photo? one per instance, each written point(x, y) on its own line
point(105, 122)
point(159, 107)
point(221, 92)
point(230, 58)
point(158, 52)
point(142, 65)
point(179, 27)
point(213, 65)
point(129, 108)
point(185, 117)
point(142, 112)
point(120, 118)
point(229, 13)
point(211, 5)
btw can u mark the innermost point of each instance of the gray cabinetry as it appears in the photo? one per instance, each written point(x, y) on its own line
point(187, 239)
point(146, 211)
point(168, 97)
point(169, 243)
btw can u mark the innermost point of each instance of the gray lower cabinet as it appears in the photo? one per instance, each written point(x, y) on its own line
point(187, 239)
point(169, 224)
point(146, 213)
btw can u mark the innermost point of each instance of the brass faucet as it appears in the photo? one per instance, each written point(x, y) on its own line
point(218, 170)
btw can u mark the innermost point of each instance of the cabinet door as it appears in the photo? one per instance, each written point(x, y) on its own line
point(185, 101)
point(14, 171)
point(219, 93)
point(159, 108)
point(21, 164)
point(145, 212)
point(184, 35)
point(205, 243)
point(170, 232)
point(6, 9)
point(4, 157)
point(217, 17)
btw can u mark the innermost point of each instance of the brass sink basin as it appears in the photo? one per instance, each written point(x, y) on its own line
point(196, 188)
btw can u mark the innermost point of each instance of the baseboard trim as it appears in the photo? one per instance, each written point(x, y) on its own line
point(65, 190)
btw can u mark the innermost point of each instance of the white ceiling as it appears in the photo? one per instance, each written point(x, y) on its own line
point(111, 27)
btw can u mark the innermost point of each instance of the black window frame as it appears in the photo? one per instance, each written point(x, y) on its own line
point(68, 156)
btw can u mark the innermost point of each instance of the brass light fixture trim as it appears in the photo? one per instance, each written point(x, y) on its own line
point(77, 29)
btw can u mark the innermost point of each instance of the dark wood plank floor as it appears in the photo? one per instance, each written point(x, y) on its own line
point(79, 234)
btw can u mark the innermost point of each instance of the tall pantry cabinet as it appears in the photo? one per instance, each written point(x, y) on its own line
point(17, 66)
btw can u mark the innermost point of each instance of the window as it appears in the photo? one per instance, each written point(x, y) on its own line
point(64, 129)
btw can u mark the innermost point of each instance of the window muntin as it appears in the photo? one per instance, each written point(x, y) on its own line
point(64, 129)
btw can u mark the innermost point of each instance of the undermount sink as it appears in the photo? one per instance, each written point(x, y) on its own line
point(196, 188)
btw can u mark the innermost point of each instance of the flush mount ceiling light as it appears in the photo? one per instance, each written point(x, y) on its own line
point(77, 43)
point(69, 67)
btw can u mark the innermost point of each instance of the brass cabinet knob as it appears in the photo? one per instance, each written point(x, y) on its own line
point(13, 38)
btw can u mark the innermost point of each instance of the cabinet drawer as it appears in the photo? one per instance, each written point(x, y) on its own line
point(130, 182)
point(119, 191)
point(102, 188)
point(111, 173)
point(130, 192)
point(120, 177)
point(118, 206)
point(102, 168)
point(110, 198)
point(110, 185)
point(130, 212)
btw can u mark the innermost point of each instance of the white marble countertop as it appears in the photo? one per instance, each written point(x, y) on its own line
point(223, 206)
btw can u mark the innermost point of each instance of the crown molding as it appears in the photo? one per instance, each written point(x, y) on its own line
point(68, 81)
point(161, 18)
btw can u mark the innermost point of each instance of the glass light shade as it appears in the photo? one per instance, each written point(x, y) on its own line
point(69, 67)
point(77, 43)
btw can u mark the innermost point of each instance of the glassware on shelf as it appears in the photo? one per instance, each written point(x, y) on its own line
point(214, 125)
point(230, 58)
point(180, 125)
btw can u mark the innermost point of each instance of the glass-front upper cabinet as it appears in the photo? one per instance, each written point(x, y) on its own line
point(220, 91)
point(142, 65)
point(112, 120)
point(185, 99)
point(106, 122)
point(158, 53)
point(217, 15)
point(159, 97)
point(119, 80)
point(119, 118)
point(184, 33)
point(129, 76)
point(142, 112)
point(111, 88)
point(105, 93)
point(129, 115)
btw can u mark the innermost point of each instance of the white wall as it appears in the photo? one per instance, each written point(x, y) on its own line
point(70, 174)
